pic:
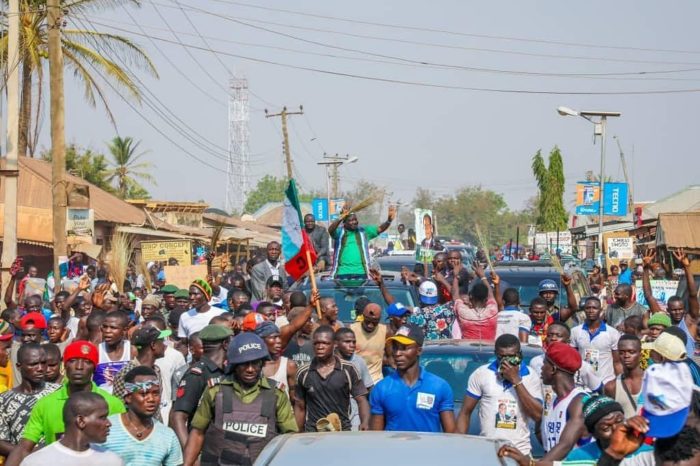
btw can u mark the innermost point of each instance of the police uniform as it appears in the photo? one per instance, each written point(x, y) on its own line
point(239, 421)
point(204, 374)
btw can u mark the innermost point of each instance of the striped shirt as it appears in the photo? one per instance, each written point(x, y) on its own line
point(160, 448)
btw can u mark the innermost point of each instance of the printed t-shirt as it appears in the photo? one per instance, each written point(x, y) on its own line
point(596, 349)
point(512, 321)
point(500, 413)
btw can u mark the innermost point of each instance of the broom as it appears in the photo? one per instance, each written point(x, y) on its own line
point(373, 198)
point(557, 264)
point(121, 256)
point(215, 236)
point(143, 271)
point(484, 245)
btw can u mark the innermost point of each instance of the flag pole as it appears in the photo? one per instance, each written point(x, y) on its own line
point(312, 276)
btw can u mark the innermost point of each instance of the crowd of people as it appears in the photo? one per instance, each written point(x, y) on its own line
point(211, 373)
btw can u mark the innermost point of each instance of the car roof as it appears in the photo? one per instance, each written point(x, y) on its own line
point(325, 280)
point(352, 448)
point(472, 346)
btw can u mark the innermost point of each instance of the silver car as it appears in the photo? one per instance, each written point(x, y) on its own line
point(386, 448)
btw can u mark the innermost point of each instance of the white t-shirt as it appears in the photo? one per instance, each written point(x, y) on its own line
point(512, 321)
point(220, 298)
point(193, 321)
point(597, 349)
point(585, 378)
point(168, 364)
point(500, 413)
point(72, 324)
point(58, 455)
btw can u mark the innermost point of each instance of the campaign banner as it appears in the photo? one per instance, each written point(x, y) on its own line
point(660, 289)
point(80, 222)
point(620, 248)
point(425, 226)
point(171, 252)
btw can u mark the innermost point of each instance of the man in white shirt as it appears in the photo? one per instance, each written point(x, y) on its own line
point(509, 393)
point(168, 364)
point(597, 342)
point(511, 319)
point(201, 313)
point(85, 415)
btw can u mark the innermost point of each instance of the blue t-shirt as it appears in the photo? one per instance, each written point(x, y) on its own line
point(625, 277)
point(161, 447)
point(591, 451)
point(415, 408)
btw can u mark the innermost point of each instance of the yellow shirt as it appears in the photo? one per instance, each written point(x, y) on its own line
point(6, 377)
point(370, 347)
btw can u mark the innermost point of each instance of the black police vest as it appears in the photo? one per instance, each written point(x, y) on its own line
point(240, 431)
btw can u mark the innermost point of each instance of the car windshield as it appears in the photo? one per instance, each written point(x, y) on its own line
point(456, 368)
point(345, 297)
point(528, 286)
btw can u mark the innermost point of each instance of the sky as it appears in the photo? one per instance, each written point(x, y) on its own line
point(494, 74)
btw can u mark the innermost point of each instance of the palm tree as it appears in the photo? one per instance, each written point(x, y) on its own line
point(94, 58)
point(126, 168)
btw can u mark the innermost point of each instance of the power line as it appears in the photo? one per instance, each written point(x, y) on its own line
point(364, 52)
point(433, 85)
point(607, 76)
point(461, 34)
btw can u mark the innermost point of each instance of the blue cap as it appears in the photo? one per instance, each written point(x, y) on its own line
point(397, 310)
point(548, 285)
point(246, 347)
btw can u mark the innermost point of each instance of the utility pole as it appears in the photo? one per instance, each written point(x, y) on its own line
point(58, 141)
point(10, 173)
point(335, 161)
point(285, 135)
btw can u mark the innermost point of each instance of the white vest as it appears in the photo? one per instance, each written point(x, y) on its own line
point(554, 419)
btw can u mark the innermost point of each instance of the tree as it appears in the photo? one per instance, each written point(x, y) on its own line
point(551, 214)
point(94, 57)
point(126, 168)
point(86, 164)
point(268, 189)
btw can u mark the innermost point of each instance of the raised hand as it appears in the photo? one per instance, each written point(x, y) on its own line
point(315, 298)
point(478, 269)
point(628, 437)
point(565, 279)
point(16, 266)
point(392, 212)
point(649, 256)
point(681, 257)
point(495, 279)
point(375, 275)
point(84, 283)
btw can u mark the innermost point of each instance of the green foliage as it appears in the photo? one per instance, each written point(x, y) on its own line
point(268, 189)
point(551, 214)
point(86, 164)
point(126, 169)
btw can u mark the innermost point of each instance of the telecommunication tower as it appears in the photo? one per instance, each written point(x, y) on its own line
point(238, 181)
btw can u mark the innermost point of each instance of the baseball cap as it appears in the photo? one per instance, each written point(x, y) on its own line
point(274, 281)
point(397, 310)
point(428, 292)
point(667, 390)
point(266, 329)
point(669, 346)
point(147, 335)
point(36, 319)
point(408, 334)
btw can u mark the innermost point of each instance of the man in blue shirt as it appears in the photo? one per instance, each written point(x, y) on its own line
point(411, 399)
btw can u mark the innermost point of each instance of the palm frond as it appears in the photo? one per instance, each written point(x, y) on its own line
point(84, 6)
point(91, 86)
point(121, 257)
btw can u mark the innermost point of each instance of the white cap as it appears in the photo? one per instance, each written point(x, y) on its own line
point(428, 292)
point(667, 391)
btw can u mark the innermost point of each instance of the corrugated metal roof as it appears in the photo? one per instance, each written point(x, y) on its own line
point(34, 191)
point(680, 230)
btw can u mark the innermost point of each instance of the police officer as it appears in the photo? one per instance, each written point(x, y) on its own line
point(238, 417)
point(549, 291)
point(208, 372)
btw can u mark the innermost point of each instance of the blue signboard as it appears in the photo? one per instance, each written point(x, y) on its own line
point(588, 198)
point(615, 199)
point(320, 209)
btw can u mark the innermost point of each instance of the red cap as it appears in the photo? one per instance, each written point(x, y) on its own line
point(251, 321)
point(36, 319)
point(81, 349)
point(564, 356)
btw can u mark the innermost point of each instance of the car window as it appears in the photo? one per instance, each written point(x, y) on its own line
point(346, 297)
point(456, 369)
point(528, 286)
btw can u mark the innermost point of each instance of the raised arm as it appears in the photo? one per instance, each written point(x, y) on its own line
point(288, 331)
point(10, 290)
point(376, 275)
point(390, 218)
point(693, 304)
point(646, 282)
point(336, 223)
point(496, 280)
point(479, 271)
point(567, 312)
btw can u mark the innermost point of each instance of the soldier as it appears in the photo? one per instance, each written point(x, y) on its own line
point(238, 417)
point(208, 372)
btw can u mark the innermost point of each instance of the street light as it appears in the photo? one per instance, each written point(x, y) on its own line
point(599, 127)
point(335, 162)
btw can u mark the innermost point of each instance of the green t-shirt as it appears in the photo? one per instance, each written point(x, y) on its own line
point(350, 259)
point(46, 420)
